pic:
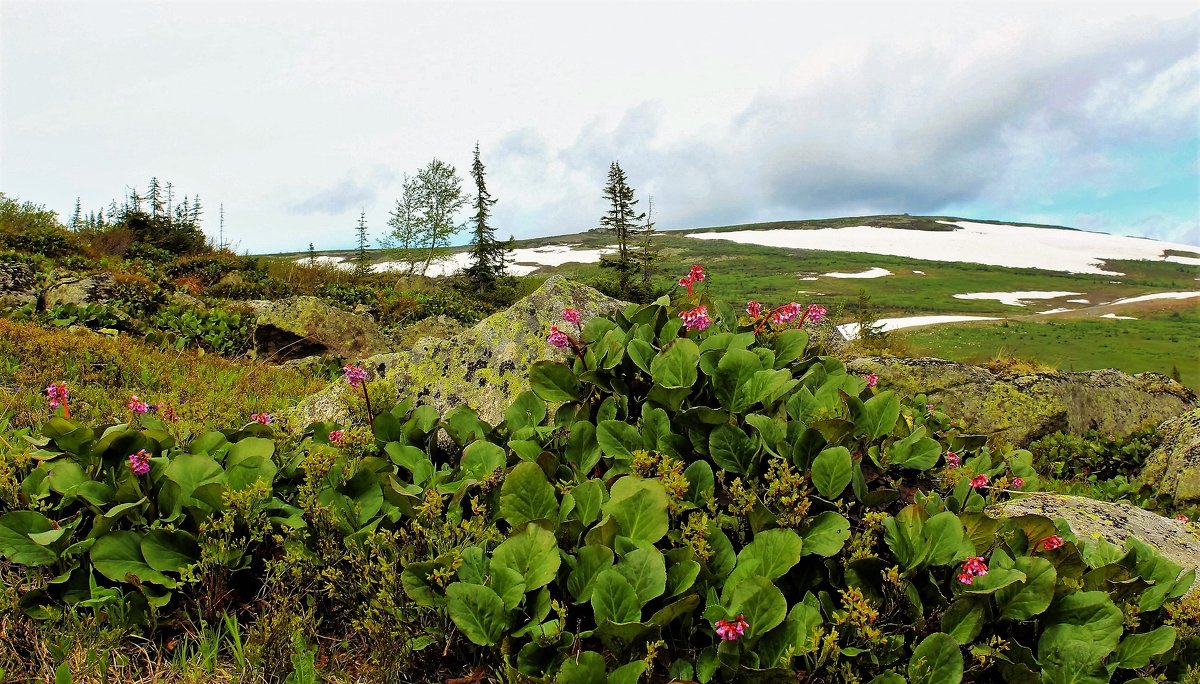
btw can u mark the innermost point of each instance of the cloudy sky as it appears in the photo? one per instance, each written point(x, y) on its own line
point(295, 116)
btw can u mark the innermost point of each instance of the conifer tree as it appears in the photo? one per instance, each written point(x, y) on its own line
point(623, 220)
point(362, 264)
point(194, 216)
point(488, 257)
point(647, 254)
point(312, 255)
point(77, 216)
point(154, 197)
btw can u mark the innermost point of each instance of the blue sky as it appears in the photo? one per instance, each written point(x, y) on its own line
point(296, 116)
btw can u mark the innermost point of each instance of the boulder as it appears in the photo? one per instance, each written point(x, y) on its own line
point(483, 367)
point(1021, 408)
point(297, 327)
point(1114, 522)
point(1174, 468)
point(18, 285)
point(79, 290)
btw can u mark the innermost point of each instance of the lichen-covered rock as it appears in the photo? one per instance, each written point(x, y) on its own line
point(79, 290)
point(18, 285)
point(484, 366)
point(1174, 468)
point(439, 327)
point(298, 327)
point(1114, 522)
point(1022, 408)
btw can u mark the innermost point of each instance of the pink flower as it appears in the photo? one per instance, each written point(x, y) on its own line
point(337, 436)
point(137, 405)
point(731, 630)
point(929, 407)
point(1181, 518)
point(355, 375)
point(57, 394)
point(1018, 482)
point(557, 338)
point(979, 481)
point(814, 313)
point(694, 276)
point(753, 308)
point(975, 566)
point(952, 459)
point(1049, 543)
point(139, 463)
point(571, 315)
point(263, 418)
point(786, 313)
point(872, 379)
point(697, 318)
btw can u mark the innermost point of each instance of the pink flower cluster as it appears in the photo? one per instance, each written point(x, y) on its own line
point(337, 437)
point(872, 379)
point(355, 375)
point(57, 394)
point(952, 460)
point(1181, 518)
point(754, 309)
point(571, 315)
point(139, 463)
point(1018, 482)
point(786, 313)
point(696, 275)
point(558, 338)
point(978, 481)
point(137, 405)
point(263, 418)
point(975, 566)
point(730, 630)
point(1049, 543)
point(813, 313)
point(697, 318)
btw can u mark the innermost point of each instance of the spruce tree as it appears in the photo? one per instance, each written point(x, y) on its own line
point(362, 264)
point(488, 257)
point(77, 216)
point(154, 196)
point(312, 255)
point(623, 220)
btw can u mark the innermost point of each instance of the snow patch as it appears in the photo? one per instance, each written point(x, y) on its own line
point(918, 272)
point(1051, 249)
point(1014, 298)
point(1078, 301)
point(1054, 311)
point(850, 330)
point(1118, 318)
point(875, 272)
point(1156, 295)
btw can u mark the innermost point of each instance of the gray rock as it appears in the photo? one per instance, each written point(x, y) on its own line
point(79, 290)
point(1114, 522)
point(297, 327)
point(1022, 408)
point(1174, 468)
point(18, 285)
point(483, 367)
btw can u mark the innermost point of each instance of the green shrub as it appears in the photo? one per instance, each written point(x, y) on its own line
point(1094, 456)
point(216, 330)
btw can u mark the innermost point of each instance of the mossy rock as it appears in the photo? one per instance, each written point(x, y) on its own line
point(438, 327)
point(79, 290)
point(18, 285)
point(483, 367)
point(1019, 409)
point(1174, 468)
point(1114, 522)
point(298, 327)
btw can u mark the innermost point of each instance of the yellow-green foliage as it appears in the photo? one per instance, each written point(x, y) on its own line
point(102, 372)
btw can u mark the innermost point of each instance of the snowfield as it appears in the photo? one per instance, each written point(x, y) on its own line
point(1051, 249)
point(1152, 297)
point(875, 272)
point(1014, 298)
point(850, 330)
point(524, 261)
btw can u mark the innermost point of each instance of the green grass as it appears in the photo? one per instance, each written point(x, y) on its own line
point(1158, 342)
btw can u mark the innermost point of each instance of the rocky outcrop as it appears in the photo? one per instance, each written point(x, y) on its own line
point(299, 327)
point(79, 290)
point(484, 366)
point(1022, 408)
point(18, 285)
point(1114, 522)
point(1174, 468)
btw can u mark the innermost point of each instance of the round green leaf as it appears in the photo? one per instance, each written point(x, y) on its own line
point(646, 570)
point(169, 550)
point(936, 660)
point(825, 534)
point(118, 555)
point(1023, 601)
point(527, 495)
point(762, 604)
point(775, 550)
point(831, 471)
point(477, 611)
point(614, 599)
point(533, 553)
point(553, 381)
point(640, 508)
point(676, 366)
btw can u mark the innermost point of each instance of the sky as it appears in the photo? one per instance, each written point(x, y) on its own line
point(297, 116)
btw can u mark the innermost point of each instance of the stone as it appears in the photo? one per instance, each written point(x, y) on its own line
point(1114, 522)
point(483, 367)
point(1021, 408)
point(79, 290)
point(1174, 467)
point(439, 327)
point(18, 285)
point(298, 327)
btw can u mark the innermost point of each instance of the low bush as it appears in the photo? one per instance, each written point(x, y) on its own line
point(683, 497)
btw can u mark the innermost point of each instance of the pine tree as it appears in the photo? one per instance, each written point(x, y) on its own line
point(196, 213)
point(154, 197)
point(488, 257)
point(312, 255)
point(362, 264)
point(77, 216)
point(622, 220)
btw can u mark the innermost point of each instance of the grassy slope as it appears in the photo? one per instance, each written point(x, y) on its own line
point(740, 272)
